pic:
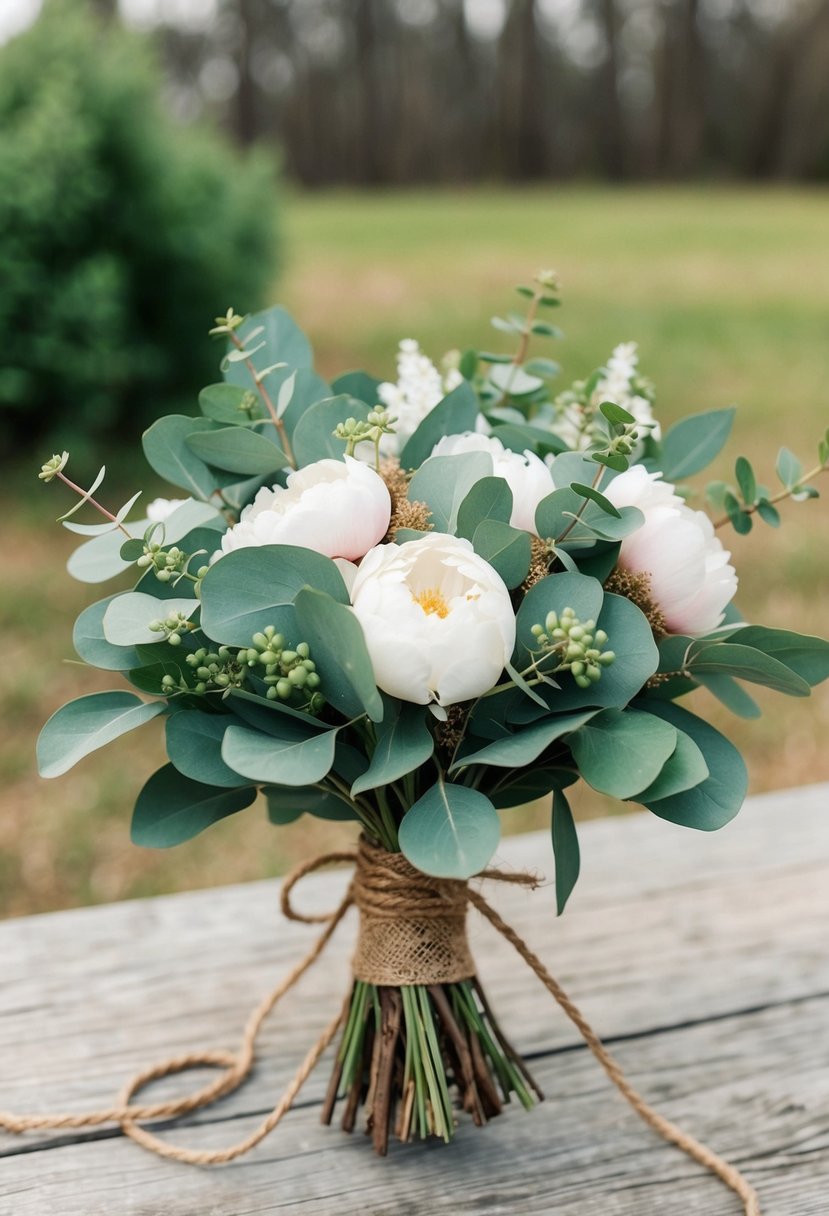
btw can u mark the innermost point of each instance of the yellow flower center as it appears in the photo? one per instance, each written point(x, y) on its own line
point(431, 601)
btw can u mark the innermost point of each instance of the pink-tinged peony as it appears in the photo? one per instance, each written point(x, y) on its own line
point(691, 578)
point(337, 507)
point(526, 475)
point(438, 620)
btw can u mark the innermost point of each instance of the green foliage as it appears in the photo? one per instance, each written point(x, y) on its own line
point(272, 577)
point(113, 221)
point(451, 831)
point(172, 808)
point(84, 725)
point(565, 850)
point(403, 743)
point(691, 445)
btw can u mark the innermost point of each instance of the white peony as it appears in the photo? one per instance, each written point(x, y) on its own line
point(526, 475)
point(420, 386)
point(691, 578)
point(337, 507)
point(438, 620)
point(162, 508)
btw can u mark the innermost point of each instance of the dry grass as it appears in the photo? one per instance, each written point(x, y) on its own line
point(728, 295)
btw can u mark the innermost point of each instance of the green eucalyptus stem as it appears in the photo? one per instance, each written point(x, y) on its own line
point(266, 397)
point(780, 496)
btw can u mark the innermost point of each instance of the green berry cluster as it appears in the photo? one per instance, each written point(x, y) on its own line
point(578, 645)
point(377, 423)
point(172, 626)
point(288, 672)
point(220, 669)
point(166, 564)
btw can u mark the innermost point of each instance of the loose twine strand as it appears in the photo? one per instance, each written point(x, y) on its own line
point(370, 887)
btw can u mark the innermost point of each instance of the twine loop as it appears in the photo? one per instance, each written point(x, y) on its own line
point(389, 893)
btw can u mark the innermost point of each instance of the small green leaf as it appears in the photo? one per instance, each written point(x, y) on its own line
point(337, 643)
point(743, 661)
point(443, 482)
point(508, 550)
point(451, 832)
point(789, 469)
point(272, 760)
point(615, 414)
point(718, 798)
point(84, 725)
point(513, 381)
point(489, 498)
point(172, 808)
point(599, 499)
point(768, 513)
point(525, 746)
point(249, 589)
point(127, 617)
point(457, 412)
point(404, 742)
point(693, 443)
point(683, 769)
point(565, 849)
point(622, 752)
point(237, 449)
point(746, 480)
point(729, 692)
point(194, 745)
point(223, 403)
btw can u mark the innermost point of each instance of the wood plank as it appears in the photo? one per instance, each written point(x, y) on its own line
point(747, 1085)
point(668, 927)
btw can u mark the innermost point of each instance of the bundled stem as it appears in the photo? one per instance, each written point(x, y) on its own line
point(414, 1056)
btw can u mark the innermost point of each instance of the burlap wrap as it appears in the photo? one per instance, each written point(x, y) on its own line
point(412, 926)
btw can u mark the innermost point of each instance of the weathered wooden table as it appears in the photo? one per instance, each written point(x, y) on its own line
point(702, 960)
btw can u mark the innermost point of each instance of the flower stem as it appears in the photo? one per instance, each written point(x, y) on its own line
point(93, 503)
point(266, 397)
point(781, 496)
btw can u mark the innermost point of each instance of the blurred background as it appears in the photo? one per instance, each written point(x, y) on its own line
point(386, 169)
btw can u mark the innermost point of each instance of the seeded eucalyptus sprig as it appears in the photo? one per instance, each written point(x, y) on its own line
point(741, 502)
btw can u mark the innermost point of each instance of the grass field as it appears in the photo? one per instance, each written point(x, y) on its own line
point(727, 293)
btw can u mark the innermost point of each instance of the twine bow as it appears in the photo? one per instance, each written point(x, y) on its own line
point(373, 894)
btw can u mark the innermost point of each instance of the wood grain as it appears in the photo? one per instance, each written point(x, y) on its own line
point(702, 958)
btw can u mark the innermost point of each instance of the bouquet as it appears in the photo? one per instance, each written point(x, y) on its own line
point(414, 605)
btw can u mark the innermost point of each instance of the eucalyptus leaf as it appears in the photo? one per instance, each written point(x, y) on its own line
point(456, 413)
point(489, 498)
point(313, 437)
point(223, 403)
point(525, 746)
point(282, 341)
point(450, 832)
point(507, 550)
point(691, 445)
point(237, 449)
point(84, 725)
point(806, 656)
point(273, 760)
point(404, 742)
point(338, 646)
point(127, 617)
point(172, 808)
point(715, 801)
point(726, 689)
point(443, 483)
point(565, 849)
point(622, 752)
point(194, 745)
point(249, 589)
point(684, 768)
point(167, 451)
point(287, 803)
point(746, 663)
point(91, 645)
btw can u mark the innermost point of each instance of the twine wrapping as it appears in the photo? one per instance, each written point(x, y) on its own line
point(386, 891)
point(412, 926)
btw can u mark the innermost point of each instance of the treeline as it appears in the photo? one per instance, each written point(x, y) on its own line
point(374, 92)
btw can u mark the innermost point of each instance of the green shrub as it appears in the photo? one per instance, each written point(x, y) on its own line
point(121, 234)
